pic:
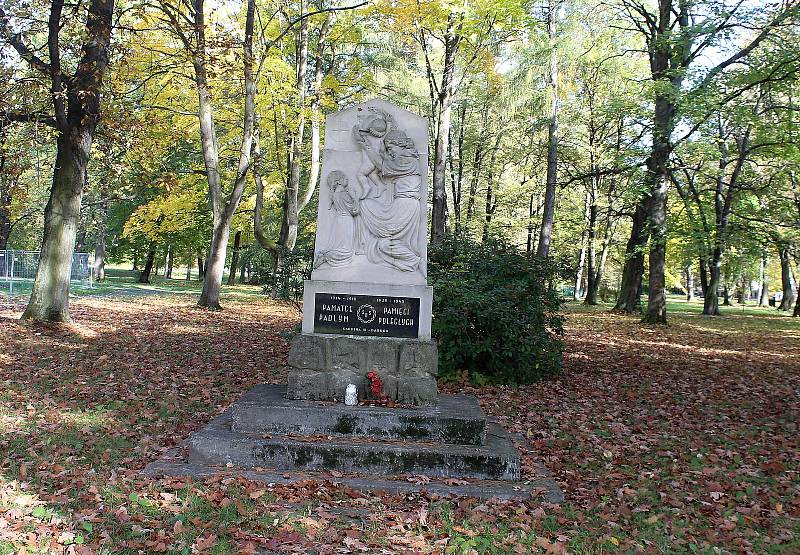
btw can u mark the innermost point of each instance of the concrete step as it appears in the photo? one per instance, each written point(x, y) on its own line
point(264, 410)
point(536, 486)
point(218, 444)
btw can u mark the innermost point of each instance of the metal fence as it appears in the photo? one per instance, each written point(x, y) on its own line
point(18, 270)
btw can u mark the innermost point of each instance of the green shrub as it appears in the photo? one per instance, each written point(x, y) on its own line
point(495, 311)
point(287, 282)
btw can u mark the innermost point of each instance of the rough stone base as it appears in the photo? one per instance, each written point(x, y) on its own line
point(321, 367)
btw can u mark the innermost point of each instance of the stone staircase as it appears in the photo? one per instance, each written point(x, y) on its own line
point(264, 435)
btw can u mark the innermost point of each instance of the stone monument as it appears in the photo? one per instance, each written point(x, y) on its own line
point(367, 306)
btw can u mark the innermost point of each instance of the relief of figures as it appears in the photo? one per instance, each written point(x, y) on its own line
point(377, 214)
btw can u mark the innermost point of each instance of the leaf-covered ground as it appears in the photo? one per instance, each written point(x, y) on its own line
point(665, 440)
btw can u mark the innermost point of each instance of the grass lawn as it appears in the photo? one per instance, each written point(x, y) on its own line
point(678, 439)
point(121, 281)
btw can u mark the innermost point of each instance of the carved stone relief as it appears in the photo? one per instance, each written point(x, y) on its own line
point(372, 206)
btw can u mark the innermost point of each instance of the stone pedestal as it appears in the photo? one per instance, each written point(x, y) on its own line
point(321, 367)
point(352, 328)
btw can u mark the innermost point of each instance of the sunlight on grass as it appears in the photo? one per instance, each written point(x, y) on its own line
point(187, 329)
point(96, 418)
point(35, 520)
point(52, 344)
point(741, 326)
point(14, 496)
point(63, 423)
point(138, 306)
point(83, 332)
point(10, 422)
point(707, 350)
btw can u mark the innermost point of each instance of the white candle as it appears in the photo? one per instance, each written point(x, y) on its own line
point(351, 395)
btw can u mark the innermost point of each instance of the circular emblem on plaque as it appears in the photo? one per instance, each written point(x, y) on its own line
point(366, 313)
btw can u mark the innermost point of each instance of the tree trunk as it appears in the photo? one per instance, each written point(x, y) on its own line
point(689, 283)
point(319, 74)
point(477, 165)
point(726, 296)
point(703, 277)
point(291, 204)
point(786, 279)
point(473, 182)
point(491, 201)
point(763, 295)
point(710, 299)
point(659, 186)
point(144, 277)
point(5, 207)
point(258, 228)
point(487, 220)
point(549, 209)
point(5, 233)
point(189, 267)
point(442, 142)
point(49, 300)
point(100, 258)
point(76, 106)
point(80, 236)
point(100, 239)
point(215, 265)
point(628, 300)
point(222, 208)
point(237, 240)
point(591, 276)
point(458, 177)
point(201, 267)
point(796, 312)
point(601, 267)
point(170, 262)
point(529, 244)
point(744, 291)
point(453, 182)
point(242, 273)
point(576, 293)
point(666, 57)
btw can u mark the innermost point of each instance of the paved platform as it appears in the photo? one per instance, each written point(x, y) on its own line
point(218, 444)
point(265, 410)
point(539, 487)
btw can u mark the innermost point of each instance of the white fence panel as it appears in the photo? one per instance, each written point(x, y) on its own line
point(18, 269)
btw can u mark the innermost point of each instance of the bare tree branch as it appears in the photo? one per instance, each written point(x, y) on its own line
point(792, 10)
point(16, 42)
point(7, 118)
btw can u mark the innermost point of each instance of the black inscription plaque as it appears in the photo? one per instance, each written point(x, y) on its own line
point(366, 315)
